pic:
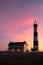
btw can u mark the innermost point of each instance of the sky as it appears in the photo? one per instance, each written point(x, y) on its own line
point(16, 22)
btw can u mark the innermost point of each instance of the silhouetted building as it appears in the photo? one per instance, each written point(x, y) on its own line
point(35, 41)
point(17, 46)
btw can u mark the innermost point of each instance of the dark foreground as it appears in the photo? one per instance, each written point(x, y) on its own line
point(11, 58)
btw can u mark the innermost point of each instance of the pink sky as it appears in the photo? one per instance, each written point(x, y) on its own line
point(16, 22)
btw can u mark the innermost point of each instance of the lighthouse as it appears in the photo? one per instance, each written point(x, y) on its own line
point(35, 38)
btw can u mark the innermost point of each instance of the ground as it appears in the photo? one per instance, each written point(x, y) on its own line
point(11, 58)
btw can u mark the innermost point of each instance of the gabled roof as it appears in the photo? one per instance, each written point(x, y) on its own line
point(11, 43)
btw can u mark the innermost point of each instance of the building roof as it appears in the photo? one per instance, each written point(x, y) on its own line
point(10, 43)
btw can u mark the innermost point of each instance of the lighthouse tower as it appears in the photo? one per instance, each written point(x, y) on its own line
point(35, 38)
